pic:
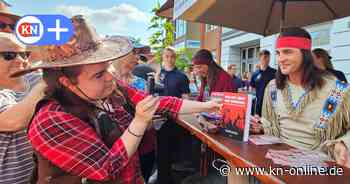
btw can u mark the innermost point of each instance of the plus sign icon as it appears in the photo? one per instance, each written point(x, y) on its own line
point(44, 29)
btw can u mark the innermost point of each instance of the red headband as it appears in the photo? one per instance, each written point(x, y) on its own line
point(293, 42)
point(201, 61)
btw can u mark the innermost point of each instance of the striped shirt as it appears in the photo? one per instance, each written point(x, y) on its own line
point(16, 155)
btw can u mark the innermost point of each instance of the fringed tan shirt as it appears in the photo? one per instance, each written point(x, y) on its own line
point(308, 119)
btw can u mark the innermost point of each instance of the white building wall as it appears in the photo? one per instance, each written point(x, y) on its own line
point(268, 43)
point(338, 46)
point(230, 48)
point(243, 38)
point(230, 55)
point(225, 56)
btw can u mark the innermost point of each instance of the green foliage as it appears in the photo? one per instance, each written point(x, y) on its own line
point(163, 36)
point(183, 59)
point(163, 32)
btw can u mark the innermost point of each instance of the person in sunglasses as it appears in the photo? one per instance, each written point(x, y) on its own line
point(18, 97)
point(7, 19)
point(7, 24)
point(89, 126)
point(123, 71)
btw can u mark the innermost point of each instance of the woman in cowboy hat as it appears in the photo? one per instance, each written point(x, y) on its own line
point(90, 126)
point(123, 72)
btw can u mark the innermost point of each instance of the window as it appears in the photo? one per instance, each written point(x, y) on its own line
point(320, 37)
point(249, 58)
point(193, 44)
point(244, 55)
point(250, 68)
point(209, 27)
point(257, 52)
point(251, 52)
point(243, 68)
point(181, 27)
point(180, 45)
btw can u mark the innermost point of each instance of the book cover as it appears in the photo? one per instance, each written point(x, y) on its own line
point(236, 114)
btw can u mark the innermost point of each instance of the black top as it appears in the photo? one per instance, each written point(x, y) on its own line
point(338, 74)
point(259, 81)
point(175, 83)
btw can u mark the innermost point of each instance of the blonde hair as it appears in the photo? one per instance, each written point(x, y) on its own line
point(170, 49)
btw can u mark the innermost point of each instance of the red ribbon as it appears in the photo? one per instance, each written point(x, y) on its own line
point(293, 42)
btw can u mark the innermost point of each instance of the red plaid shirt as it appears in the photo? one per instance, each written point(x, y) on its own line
point(75, 147)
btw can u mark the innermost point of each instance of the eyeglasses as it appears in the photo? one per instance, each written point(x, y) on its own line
point(3, 25)
point(8, 56)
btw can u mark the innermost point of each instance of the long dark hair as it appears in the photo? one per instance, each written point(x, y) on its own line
point(70, 102)
point(312, 76)
point(213, 67)
point(325, 57)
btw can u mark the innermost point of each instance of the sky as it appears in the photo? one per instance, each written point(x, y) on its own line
point(110, 17)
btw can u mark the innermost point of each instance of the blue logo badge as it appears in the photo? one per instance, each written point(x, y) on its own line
point(44, 29)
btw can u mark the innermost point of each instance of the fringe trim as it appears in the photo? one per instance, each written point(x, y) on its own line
point(338, 124)
point(295, 112)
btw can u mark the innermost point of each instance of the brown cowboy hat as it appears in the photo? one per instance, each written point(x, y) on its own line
point(5, 11)
point(10, 43)
point(84, 48)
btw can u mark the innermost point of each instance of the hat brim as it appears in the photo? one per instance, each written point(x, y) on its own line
point(11, 16)
point(108, 50)
point(142, 50)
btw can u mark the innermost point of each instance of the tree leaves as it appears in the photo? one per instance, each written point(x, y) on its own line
point(163, 32)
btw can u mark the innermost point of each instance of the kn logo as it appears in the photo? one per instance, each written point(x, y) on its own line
point(44, 29)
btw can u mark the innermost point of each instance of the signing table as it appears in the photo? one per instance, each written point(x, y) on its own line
point(240, 154)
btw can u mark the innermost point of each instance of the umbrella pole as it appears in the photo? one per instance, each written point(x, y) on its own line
point(283, 15)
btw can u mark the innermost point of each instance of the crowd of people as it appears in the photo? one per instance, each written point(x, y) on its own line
point(73, 117)
point(81, 112)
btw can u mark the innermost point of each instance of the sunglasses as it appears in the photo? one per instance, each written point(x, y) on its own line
point(143, 58)
point(8, 56)
point(4, 25)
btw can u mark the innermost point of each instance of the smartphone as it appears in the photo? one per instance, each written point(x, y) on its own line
point(150, 85)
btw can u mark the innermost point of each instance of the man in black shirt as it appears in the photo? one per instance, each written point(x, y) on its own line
point(261, 78)
point(170, 135)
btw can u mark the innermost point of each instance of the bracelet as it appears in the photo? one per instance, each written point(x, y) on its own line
point(134, 133)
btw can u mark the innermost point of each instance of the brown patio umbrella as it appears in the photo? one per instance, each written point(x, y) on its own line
point(266, 16)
